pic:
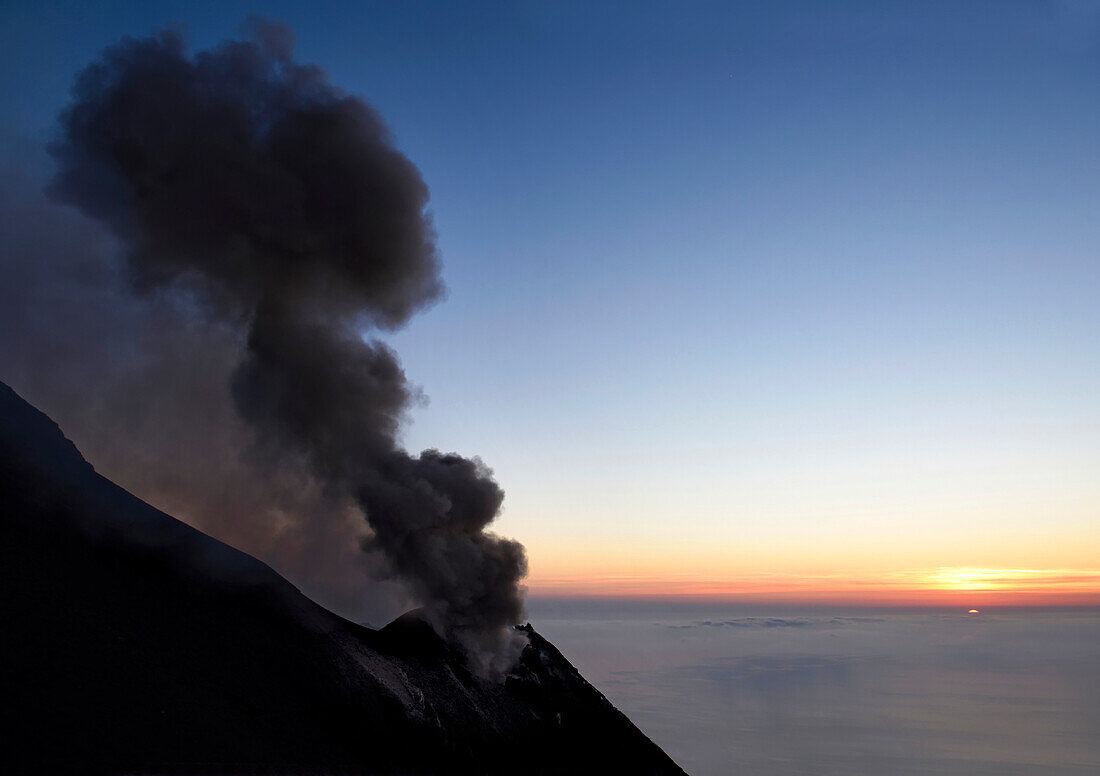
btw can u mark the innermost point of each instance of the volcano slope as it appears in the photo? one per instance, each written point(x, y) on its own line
point(133, 643)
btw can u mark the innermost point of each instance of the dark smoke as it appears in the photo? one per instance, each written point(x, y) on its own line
point(84, 348)
point(283, 206)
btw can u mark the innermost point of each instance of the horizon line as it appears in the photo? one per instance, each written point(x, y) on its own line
point(942, 586)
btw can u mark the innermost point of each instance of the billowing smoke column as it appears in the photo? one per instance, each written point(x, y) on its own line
point(283, 205)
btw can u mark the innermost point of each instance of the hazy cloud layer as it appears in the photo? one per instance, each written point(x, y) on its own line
point(1010, 692)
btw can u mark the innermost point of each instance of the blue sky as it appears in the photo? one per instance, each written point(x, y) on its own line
point(732, 286)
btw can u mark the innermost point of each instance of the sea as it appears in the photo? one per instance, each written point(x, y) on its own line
point(852, 692)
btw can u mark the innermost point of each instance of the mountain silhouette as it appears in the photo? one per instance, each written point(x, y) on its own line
point(133, 643)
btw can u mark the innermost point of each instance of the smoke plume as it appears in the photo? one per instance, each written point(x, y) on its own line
point(281, 205)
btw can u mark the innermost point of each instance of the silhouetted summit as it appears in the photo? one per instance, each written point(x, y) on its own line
point(135, 644)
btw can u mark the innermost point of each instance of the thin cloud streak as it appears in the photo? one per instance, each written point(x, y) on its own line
point(944, 585)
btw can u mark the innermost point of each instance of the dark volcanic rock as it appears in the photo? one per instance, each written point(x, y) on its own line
point(132, 643)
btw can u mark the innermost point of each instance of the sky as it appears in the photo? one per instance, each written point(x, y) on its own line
point(762, 300)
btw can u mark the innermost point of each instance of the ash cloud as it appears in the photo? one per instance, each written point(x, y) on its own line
point(277, 212)
point(139, 383)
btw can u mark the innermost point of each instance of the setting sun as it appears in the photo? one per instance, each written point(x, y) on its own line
point(928, 587)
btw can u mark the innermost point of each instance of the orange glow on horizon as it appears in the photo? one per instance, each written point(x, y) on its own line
point(934, 587)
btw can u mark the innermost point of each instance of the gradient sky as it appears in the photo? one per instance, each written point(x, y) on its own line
point(766, 299)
